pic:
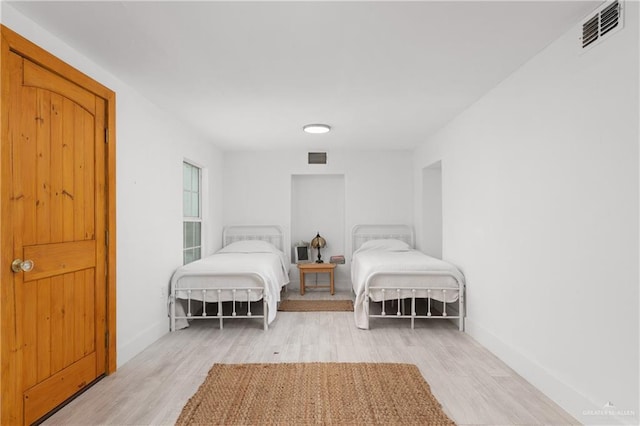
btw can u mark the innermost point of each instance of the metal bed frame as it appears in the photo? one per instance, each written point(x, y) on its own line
point(239, 294)
point(363, 233)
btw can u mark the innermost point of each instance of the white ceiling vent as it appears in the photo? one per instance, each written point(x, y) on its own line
point(317, 158)
point(605, 21)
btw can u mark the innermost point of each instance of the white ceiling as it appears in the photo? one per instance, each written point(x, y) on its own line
point(384, 75)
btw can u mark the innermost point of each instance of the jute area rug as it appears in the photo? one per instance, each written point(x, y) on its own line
point(315, 305)
point(313, 393)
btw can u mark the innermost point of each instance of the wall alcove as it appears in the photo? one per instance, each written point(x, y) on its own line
point(318, 205)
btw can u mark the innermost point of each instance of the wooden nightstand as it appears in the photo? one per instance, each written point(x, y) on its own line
point(316, 268)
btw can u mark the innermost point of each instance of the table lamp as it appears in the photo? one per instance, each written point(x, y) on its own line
point(317, 243)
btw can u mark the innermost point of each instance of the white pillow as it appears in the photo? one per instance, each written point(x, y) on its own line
point(385, 244)
point(249, 246)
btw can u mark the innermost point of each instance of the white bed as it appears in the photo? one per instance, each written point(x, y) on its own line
point(385, 268)
point(250, 267)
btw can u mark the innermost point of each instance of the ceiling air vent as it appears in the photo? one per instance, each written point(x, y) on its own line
point(605, 21)
point(590, 31)
point(317, 158)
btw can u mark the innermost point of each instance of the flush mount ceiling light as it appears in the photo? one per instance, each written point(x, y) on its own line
point(317, 128)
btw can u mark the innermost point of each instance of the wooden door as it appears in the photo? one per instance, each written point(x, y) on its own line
point(58, 210)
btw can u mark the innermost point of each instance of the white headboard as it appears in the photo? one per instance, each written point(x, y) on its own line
point(364, 233)
point(269, 233)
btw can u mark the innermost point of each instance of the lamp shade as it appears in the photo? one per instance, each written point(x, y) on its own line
point(318, 242)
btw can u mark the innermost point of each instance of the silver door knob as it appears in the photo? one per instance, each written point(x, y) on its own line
point(20, 265)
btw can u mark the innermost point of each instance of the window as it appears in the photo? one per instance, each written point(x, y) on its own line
point(192, 212)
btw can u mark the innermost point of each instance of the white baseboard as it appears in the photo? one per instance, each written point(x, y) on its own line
point(141, 341)
point(581, 407)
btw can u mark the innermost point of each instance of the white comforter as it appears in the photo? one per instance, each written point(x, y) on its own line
point(269, 265)
point(382, 258)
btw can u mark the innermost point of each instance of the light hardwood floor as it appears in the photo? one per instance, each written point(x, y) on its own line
point(473, 386)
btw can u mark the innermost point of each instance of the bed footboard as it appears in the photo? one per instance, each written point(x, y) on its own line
point(220, 294)
point(414, 314)
point(393, 293)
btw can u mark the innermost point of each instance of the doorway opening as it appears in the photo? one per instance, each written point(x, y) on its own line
point(432, 210)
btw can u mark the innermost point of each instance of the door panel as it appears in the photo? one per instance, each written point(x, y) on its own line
point(58, 258)
point(59, 223)
point(51, 392)
point(56, 338)
point(36, 76)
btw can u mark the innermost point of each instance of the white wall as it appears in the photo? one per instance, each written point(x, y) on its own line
point(378, 189)
point(151, 146)
point(540, 210)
